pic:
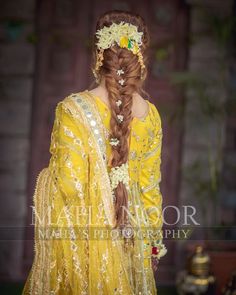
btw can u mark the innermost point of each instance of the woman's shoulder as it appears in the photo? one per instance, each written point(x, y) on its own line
point(67, 103)
point(153, 118)
point(70, 97)
point(155, 114)
point(68, 108)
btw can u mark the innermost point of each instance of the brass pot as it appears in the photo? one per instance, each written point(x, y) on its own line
point(199, 263)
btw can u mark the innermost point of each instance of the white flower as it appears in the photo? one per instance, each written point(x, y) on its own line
point(162, 251)
point(119, 72)
point(119, 174)
point(114, 141)
point(118, 102)
point(120, 118)
point(121, 81)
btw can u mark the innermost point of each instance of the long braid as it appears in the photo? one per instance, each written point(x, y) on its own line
point(114, 59)
point(121, 59)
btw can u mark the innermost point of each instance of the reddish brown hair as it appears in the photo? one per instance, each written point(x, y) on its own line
point(116, 58)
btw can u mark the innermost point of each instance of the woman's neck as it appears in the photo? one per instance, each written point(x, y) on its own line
point(102, 90)
point(103, 83)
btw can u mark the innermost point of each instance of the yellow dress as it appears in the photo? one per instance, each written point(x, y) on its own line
point(76, 250)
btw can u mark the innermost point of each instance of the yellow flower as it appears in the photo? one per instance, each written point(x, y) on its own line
point(124, 41)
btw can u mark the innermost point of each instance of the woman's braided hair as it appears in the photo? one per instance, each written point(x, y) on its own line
point(114, 59)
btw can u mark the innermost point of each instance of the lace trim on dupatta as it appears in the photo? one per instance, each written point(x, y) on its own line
point(85, 107)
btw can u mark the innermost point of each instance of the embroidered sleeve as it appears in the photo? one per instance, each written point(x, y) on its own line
point(69, 160)
point(150, 177)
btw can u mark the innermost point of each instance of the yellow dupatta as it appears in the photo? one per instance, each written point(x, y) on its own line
point(70, 264)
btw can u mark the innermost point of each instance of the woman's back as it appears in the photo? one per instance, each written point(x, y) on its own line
point(143, 130)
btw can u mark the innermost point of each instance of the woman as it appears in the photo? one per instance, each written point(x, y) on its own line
point(98, 205)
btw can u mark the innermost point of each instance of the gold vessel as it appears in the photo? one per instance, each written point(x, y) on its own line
point(196, 279)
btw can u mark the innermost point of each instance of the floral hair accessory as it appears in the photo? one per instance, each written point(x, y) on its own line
point(114, 141)
point(120, 118)
point(98, 64)
point(118, 102)
point(159, 250)
point(119, 174)
point(120, 72)
point(124, 35)
point(121, 82)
